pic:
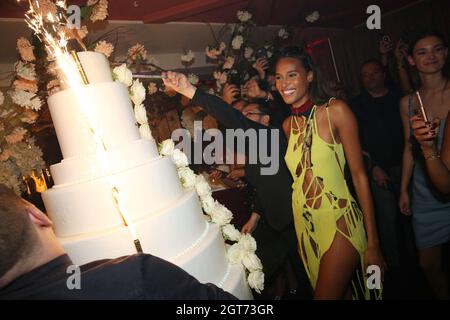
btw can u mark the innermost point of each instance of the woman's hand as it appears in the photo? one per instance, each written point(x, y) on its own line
point(179, 83)
point(400, 52)
point(230, 93)
point(252, 90)
point(236, 174)
point(251, 224)
point(214, 175)
point(373, 256)
point(261, 65)
point(425, 133)
point(404, 203)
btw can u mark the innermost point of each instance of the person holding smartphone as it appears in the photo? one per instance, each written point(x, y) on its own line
point(428, 53)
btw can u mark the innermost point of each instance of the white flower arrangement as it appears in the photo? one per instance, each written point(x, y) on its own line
point(25, 49)
point(313, 17)
point(243, 250)
point(104, 47)
point(214, 53)
point(26, 70)
point(123, 74)
point(244, 16)
point(283, 34)
point(229, 62)
point(188, 57)
point(237, 42)
point(137, 53)
point(26, 99)
point(100, 11)
point(137, 92)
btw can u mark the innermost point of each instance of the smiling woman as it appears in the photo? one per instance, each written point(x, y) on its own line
point(331, 228)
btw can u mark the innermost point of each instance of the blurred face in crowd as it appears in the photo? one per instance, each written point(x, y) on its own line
point(292, 81)
point(372, 76)
point(253, 112)
point(429, 55)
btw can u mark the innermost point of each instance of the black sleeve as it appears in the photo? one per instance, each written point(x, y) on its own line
point(224, 113)
point(163, 280)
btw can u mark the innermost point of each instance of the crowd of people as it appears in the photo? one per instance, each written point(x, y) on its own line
point(355, 178)
point(351, 172)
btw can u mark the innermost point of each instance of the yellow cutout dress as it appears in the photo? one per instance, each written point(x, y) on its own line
point(321, 198)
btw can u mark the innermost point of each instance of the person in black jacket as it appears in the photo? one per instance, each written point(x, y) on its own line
point(273, 189)
point(33, 265)
point(381, 133)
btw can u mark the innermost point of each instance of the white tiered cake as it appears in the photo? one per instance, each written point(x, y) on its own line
point(168, 220)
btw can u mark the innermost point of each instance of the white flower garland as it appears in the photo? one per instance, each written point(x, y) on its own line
point(243, 250)
point(137, 95)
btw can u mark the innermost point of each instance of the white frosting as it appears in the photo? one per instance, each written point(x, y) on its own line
point(168, 221)
point(111, 112)
point(89, 206)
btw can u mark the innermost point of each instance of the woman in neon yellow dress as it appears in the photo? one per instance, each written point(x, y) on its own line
point(331, 228)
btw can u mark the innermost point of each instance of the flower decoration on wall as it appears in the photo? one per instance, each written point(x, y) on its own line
point(313, 17)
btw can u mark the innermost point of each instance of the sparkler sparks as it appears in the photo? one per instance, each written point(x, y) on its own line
point(48, 30)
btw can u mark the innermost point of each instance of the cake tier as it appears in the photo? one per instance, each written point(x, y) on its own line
point(79, 169)
point(236, 283)
point(109, 108)
point(205, 258)
point(90, 207)
point(96, 66)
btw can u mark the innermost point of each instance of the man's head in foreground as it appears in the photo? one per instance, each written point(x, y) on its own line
point(27, 239)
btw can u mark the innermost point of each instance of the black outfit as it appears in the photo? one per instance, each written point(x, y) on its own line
point(380, 128)
point(273, 193)
point(140, 276)
point(381, 136)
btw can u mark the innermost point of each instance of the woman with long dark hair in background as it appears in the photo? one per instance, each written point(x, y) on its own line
point(430, 211)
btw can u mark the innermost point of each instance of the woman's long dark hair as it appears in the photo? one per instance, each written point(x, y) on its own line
point(318, 92)
point(417, 35)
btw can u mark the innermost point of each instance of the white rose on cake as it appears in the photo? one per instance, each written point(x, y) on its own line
point(208, 204)
point(141, 114)
point(187, 177)
point(202, 186)
point(231, 233)
point(2, 98)
point(137, 92)
point(167, 147)
point(251, 262)
point(221, 215)
point(235, 253)
point(248, 243)
point(123, 74)
point(145, 132)
point(256, 281)
point(179, 158)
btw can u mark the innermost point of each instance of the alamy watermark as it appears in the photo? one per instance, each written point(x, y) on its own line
point(260, 146)
point(73, 282)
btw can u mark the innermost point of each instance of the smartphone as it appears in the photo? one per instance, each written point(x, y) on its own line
point(261, 53)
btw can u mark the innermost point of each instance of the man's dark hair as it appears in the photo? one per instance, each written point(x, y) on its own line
point(16, 232)
point(318, 93)
point(373, 61)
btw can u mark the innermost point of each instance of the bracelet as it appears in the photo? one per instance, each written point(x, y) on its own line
point(432, 156)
